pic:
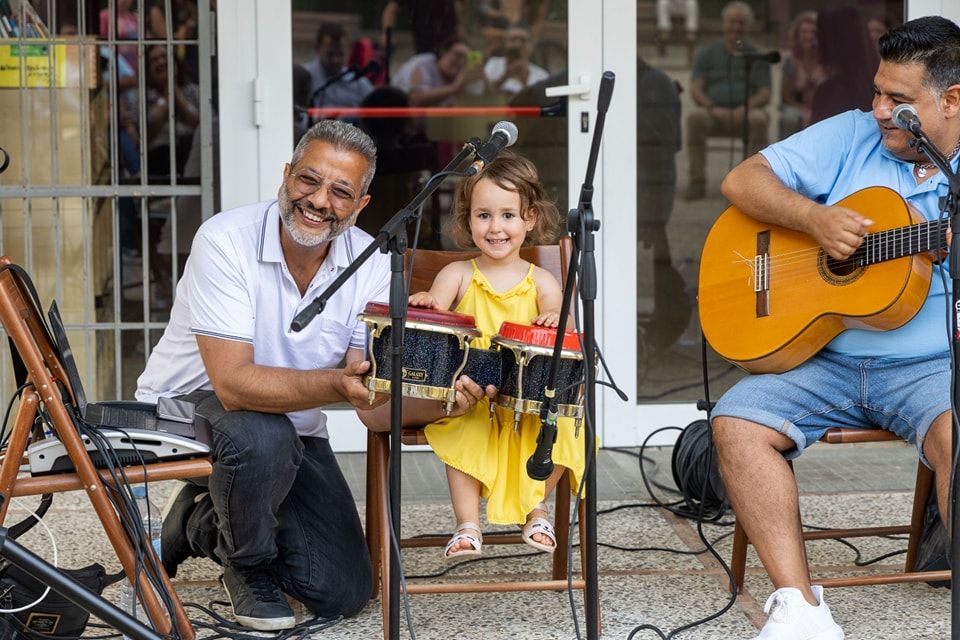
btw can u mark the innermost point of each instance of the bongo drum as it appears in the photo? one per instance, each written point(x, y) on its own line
point(525, 373)
point(435, 349)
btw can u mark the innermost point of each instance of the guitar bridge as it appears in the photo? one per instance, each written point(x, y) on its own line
point(761, 274)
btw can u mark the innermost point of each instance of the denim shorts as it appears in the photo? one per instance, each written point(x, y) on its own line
point(904, 396)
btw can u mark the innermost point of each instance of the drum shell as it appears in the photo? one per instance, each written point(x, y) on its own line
point(535, 373)
point(429, 358)
point(485, 367)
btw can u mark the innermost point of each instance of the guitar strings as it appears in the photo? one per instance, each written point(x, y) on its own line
point(880, 243)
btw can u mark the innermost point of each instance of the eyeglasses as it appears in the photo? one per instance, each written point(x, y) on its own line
point(308, 184)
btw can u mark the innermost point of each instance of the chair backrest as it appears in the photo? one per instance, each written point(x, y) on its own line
point(22, 318)
point(555, 258)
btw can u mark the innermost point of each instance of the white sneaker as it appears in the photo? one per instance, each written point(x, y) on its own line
point(793, 618)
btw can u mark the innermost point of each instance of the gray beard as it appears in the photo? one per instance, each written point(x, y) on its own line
point(288, 215)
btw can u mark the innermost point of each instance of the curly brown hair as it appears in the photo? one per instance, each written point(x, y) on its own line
point(512, 172)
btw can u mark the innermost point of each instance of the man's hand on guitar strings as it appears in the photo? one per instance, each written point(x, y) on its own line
point(837, 229)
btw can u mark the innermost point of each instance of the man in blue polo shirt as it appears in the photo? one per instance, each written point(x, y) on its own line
point(276, 512)
point(897, 380)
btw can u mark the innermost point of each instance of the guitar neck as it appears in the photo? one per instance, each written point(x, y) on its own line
point(902, 241)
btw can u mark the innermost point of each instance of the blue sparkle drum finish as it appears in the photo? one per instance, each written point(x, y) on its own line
point(436, 345)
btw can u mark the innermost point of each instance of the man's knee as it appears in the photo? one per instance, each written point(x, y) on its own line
point(344, 593)
point(698, 120)
point(731, 434)
point(251, 436)
point(937, 444)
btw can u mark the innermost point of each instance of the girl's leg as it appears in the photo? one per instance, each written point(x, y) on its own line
point(537, 512)
point(465, 496)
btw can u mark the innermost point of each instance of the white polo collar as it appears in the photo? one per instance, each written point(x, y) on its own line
point(341, 252)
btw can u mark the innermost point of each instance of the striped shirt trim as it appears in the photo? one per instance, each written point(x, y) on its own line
point(224, 336)
point(263, 235)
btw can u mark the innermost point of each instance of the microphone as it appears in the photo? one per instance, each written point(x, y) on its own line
point(771, 57)
point(905, 117)
point(540, 462)
point(371, 68)
point(503, 135)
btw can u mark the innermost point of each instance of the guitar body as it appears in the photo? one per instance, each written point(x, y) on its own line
point(771, 314)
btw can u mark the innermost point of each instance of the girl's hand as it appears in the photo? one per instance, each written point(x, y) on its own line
point(549, 319)
point(423, 299)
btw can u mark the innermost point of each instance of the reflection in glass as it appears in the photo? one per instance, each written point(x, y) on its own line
point(828, 62)
point(490, 56)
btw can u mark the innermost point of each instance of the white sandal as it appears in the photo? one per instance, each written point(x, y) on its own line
point(542, 526)
point(476, 542)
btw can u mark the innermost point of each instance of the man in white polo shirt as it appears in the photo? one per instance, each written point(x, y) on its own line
point(276, 511)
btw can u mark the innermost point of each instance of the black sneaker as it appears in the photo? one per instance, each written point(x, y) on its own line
point(173, 536)
point(256, 598)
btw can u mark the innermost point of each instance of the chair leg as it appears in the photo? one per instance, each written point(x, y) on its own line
point(372, 510)
point(738, 559)
point(561, 525)
point(921, 494)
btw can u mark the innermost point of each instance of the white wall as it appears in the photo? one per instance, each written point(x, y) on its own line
point(256, 98)
point(946, 8)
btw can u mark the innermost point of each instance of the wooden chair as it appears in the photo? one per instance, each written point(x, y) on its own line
point(553, 258)
point(921, 494)
point(49, 390)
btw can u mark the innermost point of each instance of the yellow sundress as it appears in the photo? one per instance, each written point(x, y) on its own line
point(491, 450)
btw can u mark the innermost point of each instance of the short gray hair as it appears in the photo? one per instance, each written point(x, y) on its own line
point(738, 5)
point(344, 137)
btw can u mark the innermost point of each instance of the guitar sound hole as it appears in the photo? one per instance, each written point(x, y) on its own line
point(838, 272)
point(841, 268)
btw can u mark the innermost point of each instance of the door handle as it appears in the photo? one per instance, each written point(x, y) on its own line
point(581, 89)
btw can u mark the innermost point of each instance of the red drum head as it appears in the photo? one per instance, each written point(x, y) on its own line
point(538, 336)
point(419, 314)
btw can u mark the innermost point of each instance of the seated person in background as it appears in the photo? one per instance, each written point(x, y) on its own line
point(431, 22)
point(435, 79)
point(718, 87)
point(898, 380)
point(689, 10)
point(511, 72)
point(349, 90)
point(802, 74)
point(276, 512)
point(879, 24)
point(848, 59)
point(185, 103)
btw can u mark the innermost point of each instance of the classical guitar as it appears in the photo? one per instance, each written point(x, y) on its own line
point(770, 297)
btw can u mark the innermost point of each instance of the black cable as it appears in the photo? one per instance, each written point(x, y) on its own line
point(224, 628)
point(700, 521)
point(658, 396)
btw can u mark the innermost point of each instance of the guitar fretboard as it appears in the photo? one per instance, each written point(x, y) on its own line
point(902, 241)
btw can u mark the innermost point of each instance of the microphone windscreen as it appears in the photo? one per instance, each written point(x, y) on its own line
point(509, 129)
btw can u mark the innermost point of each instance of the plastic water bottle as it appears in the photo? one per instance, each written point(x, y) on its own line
point(152, 525)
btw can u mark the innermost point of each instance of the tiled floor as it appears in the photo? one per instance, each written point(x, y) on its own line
point(839, 484)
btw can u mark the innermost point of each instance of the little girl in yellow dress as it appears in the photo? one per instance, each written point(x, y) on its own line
point(497, 211)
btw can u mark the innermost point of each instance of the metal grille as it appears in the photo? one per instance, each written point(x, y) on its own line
point(108, 116)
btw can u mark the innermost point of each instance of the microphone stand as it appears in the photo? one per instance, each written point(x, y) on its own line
point(391, 238)
point(331, 80)
point(582, 225)
point(745, 124)
point(69, 588)
point(952, 207)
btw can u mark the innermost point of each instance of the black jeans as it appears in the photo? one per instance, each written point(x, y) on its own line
point(278, 497)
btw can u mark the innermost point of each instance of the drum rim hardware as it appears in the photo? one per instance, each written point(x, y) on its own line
point(448, 395)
